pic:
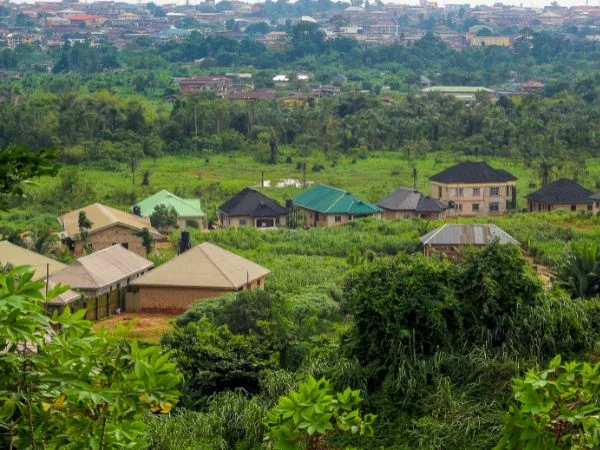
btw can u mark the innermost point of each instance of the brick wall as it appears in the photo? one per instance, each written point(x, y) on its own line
point(113, 235)
point(172, 299)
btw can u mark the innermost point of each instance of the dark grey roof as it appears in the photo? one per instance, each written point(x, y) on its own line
point(405, 199)
point(472, 172)
point(467, 234)
point(562, 191)
point(249, 202)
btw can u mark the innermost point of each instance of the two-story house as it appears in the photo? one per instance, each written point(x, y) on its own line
point(475, 189)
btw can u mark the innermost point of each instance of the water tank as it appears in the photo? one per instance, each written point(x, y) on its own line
point(137, 210)
point(184, 242)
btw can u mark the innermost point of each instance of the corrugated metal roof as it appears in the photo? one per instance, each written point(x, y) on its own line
point(329, 200)
point(204, 266)
point(103, 268)
point(103, 217)
point(467, 234)
point(183, 207)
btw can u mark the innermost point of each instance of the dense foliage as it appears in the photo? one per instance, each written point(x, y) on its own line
point(64, 386)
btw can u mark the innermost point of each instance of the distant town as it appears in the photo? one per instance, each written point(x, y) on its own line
point(52, 24)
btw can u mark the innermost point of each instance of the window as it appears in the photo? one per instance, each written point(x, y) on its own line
point(338, 219)
point(460, 207)
point(460, 192)
point(573, 207)
point(476, 192)
point(494, 191)
point(242, 222)
point(589, 207)
point(475, 207)
point(125, 245)
point(439, 192)
point(507, 191)
point(494, 206)
point(407, 215)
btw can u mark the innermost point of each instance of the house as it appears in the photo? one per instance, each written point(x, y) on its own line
point(531, 86)
point(486, 41)
point(251, 208)
point(406, 203)
point(467, 94)
point(13, 255)
point(86, 20)
point(109, 226)
point(561, 194)
point(328, 206)
point(204, 271)
point(188, 210)
point(104, 277)
point(475, 189)
point(221, 86)
point(448, 240)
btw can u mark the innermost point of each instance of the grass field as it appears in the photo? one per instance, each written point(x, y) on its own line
point(216, 178)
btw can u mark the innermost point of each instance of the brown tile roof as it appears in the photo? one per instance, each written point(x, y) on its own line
point(103, 217)
point(204, 266)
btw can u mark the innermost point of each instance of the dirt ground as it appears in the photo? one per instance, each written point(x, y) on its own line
point(146, 327)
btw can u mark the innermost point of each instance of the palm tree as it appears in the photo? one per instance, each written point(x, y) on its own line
point(580, 271)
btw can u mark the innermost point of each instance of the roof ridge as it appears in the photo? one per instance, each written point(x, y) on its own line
point(107, 210)
point(436, 232)
point(340, 197)
point(215, 264)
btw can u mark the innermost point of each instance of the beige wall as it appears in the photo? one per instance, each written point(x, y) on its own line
point(178, 299)
point(114, 235)
point(182, 220)
point(328, 220)
point(537, 207)
point(464, 203)
point(234, 222)
point(395, 215)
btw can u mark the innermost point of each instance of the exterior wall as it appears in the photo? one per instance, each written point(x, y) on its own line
point(543, 207)
point(395, 215)
point(178, 299)
point(114, 235)
point(596, 207)
point(234, 221)
point(464, 203)
point(181, 222)
point(315, 219)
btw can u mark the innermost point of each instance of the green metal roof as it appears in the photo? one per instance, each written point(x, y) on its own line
point(329, 200)
point(189, 207)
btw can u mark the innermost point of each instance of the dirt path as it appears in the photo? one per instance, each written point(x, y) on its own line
point(146, 327)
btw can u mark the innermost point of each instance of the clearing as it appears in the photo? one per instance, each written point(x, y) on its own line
point(144, 327)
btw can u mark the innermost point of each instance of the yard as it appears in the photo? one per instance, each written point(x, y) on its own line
point(144, 327)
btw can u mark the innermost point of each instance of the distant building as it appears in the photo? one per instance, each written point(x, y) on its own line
point(328, 206)
point(531, 86)
point(109, 226)
point(406, 203)
point(560, 194)
point(250, 208)
point(475, 189)
point(188, 210)
point(486, 41)
point(467, 94)
point(221, 86)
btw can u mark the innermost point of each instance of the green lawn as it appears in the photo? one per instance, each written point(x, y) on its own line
point(371, 178)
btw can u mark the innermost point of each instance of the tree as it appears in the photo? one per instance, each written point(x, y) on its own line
point(18, 165)
point(147, 240)
point(579, 271)
point(85, 225)
point(555, 408)
point(163, 217)
point(62, 386)
point(133, 161)
point(303, 419)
